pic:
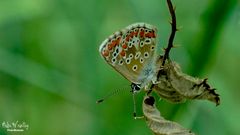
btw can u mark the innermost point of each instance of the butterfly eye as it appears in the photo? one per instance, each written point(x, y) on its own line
point(135, 87)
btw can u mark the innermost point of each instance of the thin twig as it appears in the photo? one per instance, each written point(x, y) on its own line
point(170, 41)
point(174, 29)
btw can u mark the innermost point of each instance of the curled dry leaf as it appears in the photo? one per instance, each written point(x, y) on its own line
point(157, 123)
point(175, 86)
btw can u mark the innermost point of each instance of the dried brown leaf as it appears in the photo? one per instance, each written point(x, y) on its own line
point(157, 123)
point(175, 86)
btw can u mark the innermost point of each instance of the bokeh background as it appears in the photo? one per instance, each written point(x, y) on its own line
point(51, 73)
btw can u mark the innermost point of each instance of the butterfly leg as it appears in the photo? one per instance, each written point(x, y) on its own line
point(135, 89)
point(134, 108)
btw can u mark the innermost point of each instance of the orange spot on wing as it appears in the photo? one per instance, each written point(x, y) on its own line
point(118, 40)
point(123, 53)
point(114, 43)
point(110, 47)
point(141, 33)
point(124, 46)
point(154, 36)
point(105, 53)
point(127, 38)
point(131, 34)
point(136, 33)
point(150, 35)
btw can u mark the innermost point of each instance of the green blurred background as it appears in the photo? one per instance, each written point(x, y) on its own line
point(51, 72)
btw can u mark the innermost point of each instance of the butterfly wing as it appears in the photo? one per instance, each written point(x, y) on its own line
point(131, 52)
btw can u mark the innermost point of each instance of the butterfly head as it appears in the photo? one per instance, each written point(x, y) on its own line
point(135, 87)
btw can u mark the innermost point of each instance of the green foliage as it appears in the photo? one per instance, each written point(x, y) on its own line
point(51, 72)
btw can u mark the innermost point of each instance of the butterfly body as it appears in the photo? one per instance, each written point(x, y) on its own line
point(132, 53)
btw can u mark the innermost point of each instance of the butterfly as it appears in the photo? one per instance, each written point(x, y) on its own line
point(132, 52)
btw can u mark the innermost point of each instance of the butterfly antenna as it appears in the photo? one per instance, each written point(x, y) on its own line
point(110, 95)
